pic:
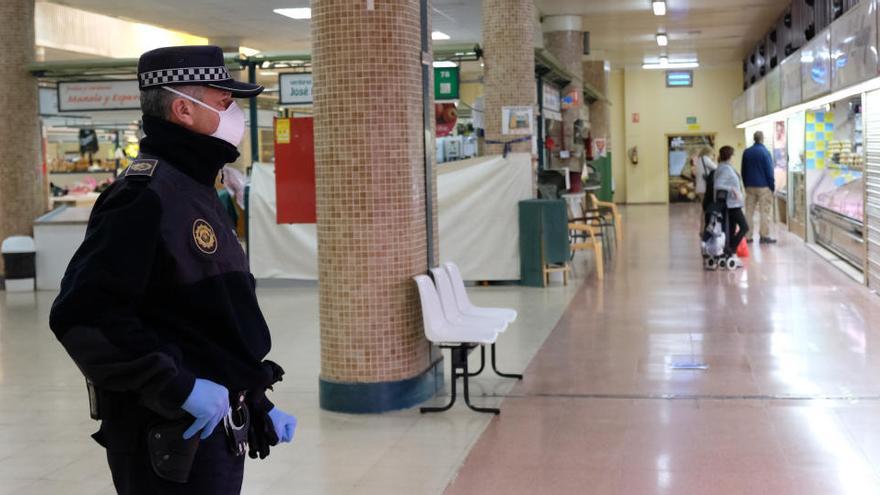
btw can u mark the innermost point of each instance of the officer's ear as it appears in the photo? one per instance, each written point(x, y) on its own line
point(182, 112)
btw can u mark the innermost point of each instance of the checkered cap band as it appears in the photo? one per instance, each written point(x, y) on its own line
point(184, 75)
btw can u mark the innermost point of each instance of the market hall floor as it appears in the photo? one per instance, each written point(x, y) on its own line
point(789, 403)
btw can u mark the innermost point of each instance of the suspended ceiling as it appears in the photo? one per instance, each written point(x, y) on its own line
point(622, 31)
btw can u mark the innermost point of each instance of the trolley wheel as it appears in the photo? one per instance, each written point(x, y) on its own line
point(731, 264)
point(710, 264)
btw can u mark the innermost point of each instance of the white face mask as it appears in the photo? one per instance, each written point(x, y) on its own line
point(231, 127)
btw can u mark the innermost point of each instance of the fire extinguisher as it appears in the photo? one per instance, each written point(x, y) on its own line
point(588, 146)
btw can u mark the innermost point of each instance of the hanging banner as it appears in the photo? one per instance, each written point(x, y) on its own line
point(89, 96)
point(446, 83)
point(295, 171)
point(294, 89)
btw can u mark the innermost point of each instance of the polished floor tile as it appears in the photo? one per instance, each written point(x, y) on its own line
point(666, 379)
point(45, 446)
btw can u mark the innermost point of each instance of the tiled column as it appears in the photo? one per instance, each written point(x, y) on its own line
point(563, 37)
point(596, 74)
point(22, 197)
point(509, 65)
point(370, 175)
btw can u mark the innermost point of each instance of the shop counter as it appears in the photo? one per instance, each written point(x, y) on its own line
point(57, 235)
point(76, 200)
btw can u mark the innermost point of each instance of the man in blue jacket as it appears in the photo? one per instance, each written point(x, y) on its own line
point(757, 174)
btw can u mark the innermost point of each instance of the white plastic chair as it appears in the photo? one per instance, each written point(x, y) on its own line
point(459, 339)
point(491, 318)
point(464, 303)
point(450, 305)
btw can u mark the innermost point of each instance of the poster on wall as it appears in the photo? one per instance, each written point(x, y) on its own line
point(517, 120)
point(79, 96)
point(445, 115)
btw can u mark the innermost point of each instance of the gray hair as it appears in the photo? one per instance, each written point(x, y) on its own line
point(156, 102)
point(759, 137)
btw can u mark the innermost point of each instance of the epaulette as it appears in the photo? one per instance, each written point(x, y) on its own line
point(142, 168)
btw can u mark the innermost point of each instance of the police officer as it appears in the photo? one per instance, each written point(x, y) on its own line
point(158, 307)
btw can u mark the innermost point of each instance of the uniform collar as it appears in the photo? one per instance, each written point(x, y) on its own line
point(197, 155)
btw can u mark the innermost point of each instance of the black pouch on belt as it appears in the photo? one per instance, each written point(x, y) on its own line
point(170, 454)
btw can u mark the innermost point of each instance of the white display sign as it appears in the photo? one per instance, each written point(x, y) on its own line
point(295, 89)
point(791, 81)
point(552, 100)
point(816, 66)
point(854, 46)
point(80, 96)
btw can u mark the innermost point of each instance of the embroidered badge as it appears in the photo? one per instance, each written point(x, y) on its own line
point(142, 168)
point(204, 236)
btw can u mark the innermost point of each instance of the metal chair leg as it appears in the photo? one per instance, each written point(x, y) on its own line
point(504, 375)
point(482, 361)
point(452, 399)
point(467, 394)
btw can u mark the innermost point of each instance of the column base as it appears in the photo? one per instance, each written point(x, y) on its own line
point(379, 397)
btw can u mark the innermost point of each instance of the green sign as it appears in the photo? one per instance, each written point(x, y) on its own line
point(691, 120)
point(446, 83)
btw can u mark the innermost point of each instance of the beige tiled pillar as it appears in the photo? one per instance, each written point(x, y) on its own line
point(22, 197)
point(596, 74)
point(370, 175)
point(509, 65)
point(563, 37)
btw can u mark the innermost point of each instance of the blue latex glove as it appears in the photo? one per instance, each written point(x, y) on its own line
point(208, 403)
point(284, 424)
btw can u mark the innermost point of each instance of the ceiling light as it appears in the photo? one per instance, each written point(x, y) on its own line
point(299, 13)
point(659, 7)
point(662, 39)
point(671, 65)
point(439, 36)
point(268, 73)
point(248, 52)
point(445, 63)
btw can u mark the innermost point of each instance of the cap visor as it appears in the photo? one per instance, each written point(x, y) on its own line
point(238, 89)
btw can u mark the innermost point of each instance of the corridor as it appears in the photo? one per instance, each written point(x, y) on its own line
point(668, 379)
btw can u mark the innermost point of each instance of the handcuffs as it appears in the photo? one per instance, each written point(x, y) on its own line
point(236, 424)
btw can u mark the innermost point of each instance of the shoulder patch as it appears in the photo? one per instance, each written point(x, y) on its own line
point(142, 168)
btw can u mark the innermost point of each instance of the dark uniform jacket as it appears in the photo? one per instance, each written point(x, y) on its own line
point(159, 292)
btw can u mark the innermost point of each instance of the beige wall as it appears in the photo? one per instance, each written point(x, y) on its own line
point(664, 111)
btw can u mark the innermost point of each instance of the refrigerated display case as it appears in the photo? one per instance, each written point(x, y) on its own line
point(836, 185)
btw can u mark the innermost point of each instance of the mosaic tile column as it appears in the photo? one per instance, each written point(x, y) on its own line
point(509, 66)
point(370, 175)
point(563, 38)
point(596, 74)
point(22, 197)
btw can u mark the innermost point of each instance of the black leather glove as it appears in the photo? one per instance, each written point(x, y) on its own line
point(261, 435)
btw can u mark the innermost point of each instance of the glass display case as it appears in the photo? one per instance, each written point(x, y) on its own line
point(836, 185)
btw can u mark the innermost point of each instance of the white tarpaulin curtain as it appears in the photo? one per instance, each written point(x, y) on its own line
point(477, 208)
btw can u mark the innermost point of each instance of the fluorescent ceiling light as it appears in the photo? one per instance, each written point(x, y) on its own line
point(662, 39)
point(298, 13)
point(666, 64)
point(445, 63)
point(439, 36)
point(248, 52)
point(659, 7)
point(268, 73)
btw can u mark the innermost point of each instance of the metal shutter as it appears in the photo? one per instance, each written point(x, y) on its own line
point(872, 186)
